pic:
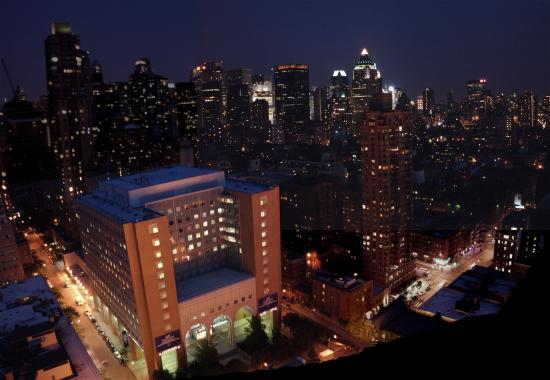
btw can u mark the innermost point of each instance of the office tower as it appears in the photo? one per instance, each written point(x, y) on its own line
point(291, 85)
point(27, 161)
point(190, 253)
point(319, 104)
point(154, 108)
point(528, 109)
point(260, 126)
point(11, 269)
point(261, 88)
point(237, 86)
point(366, 84)
point(386, 166)
point(420, 104)
point(428, 101)
point(70, 115)
point(477, 97)
point(186, 103)
point(339, 109)
point(209, 85)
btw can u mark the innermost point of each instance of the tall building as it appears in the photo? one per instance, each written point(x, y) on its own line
point(191, 255)
point(477, 97)
point(262, 88)
point(428, 101)
point(186, 103)
point(153, 108)
point(319, 104)
point(237, 87)
point(528, 111)
point(339, 107)
point(386, 167)
point(366, 84)
point(27, 160)
point(291, 85)
point(70, 115)
point(11, 269)
point(260, 126)
point(209, 85)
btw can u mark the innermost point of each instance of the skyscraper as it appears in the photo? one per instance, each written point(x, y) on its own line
point(477, 97)
point(70, 115)
point(237, 86)
point(186, 103)
point(262, 88)
point(428, 101)
point(386, 166)
point(209, 85)
point(366, 83)
point(339, 110)
point(291, 85)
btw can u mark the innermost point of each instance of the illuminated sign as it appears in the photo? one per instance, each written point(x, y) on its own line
point(293, 66)
point(168, 341)
point(268, 302)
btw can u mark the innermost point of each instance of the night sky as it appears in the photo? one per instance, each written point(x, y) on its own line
point(440, 44)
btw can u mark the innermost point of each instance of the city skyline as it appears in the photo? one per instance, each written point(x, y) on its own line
point(393, 37)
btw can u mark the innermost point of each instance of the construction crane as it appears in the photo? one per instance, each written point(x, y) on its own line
point(13, 90)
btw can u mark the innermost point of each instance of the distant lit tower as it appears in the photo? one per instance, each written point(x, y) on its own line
point(208, 78)
point(186, 106)
point(366, 84)
point(528, 109)
point(386, 168)
point(319, 108)
point(428, 100)
point(339, 108)
point(237, 87)
point(70, 114)
point(477, 97)
point(262, 88)
point(291, 87)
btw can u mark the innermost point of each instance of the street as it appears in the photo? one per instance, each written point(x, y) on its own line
point(98, 350)
point(440, 278)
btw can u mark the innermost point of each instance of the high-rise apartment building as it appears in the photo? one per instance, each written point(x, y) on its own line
point(339, 107)
point(386, 166)
point(428, 97)
point(209, 85)
point(262, 88)
point(291, 85)
point(191, 255)
point(366, 84)
point(70, 115)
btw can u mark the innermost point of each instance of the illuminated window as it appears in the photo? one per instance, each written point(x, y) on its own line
point(264, 224)
point(158, 254)
point(264, 234)
point(264, 252)
point(156, 242)
point(263, 213)
point(153, 229)
point(264, 243)
point(166, 316)
point(160, 265)
point(162, 285)
point(161, 275)
point(263, 201)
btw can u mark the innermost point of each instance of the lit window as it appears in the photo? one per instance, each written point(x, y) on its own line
point(263, 201)
point(158, 254)
point(205, 233)
point(166, 316)
point(160, 265)
point(264, 243)
point(156, 242)
point(189, 237)
point(153, 229)
point(191, 247)
point(264, 252)
point(162, 285)
point(264, 224)
point(205, 223)
point(263, 213)
point(264, 234)
point(161, 275)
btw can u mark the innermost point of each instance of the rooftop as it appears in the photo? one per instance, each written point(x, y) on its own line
point(26, 303)
point(444, 303)
point(157, 177)
point(116, 211)
point(208, 282)
point(245, 187)
point(398, 318)
point(341, 282)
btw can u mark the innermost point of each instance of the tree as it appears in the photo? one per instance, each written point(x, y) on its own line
point(303, 330)
point(207, 362)
point(235, 365)
point(161, 374)
point(256, 339)
point(281, 349)
point(71, 313)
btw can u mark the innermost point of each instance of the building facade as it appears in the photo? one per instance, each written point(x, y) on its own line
point(191, 255)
